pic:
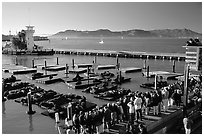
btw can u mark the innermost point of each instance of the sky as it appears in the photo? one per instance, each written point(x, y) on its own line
point(52, 17)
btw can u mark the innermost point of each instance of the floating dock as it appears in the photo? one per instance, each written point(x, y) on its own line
point(43, 76)
point(78, 70)
point(84, 65)
point(82, 85)
point(49, 81)
point(102, 67)
point(131, 70)
point(24, 71)
point(55, 68)
point(164, 74)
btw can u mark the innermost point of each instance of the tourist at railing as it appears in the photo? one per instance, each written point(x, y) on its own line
point(131, 112)
point(138, 106)
point(165, 96)
point(146, 103)
point(76, 123)
point(82, 122)
point(155, 102)
point(121, 105)
point(106, 118)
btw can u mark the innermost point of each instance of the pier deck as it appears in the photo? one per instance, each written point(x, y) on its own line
point(131, 69)
point(164, 74)
point(102, 67)
point(124, 54)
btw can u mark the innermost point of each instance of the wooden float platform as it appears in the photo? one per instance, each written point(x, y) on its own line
point(102, 67)
point(131, 69)
point(77, 70)
point(49, 81)
point(43, 76)
point(82, 85)
point(24, 71)
point(84, 65)
point(84, 79)
point(55, 68)
point(164, 74)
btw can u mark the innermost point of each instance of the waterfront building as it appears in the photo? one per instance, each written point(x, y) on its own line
point(194, 54)
point(29, 37)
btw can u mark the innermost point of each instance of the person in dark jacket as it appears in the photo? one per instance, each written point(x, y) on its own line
point(106, 118)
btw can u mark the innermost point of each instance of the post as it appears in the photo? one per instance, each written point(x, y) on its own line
point(145, 64)
point(66, 69)
point(57, 117)
point(69, 111)
point(33, 63)
point(95, 60)
point(155, 82)
point(88, 73)
point(73, 63)
point(185, 95)
point(117, 61)
point(174, 66)
point(147, 71)
point(45, 67)
point(30, 111)
point(120, 75)
point(57, 61)
point(16, 60)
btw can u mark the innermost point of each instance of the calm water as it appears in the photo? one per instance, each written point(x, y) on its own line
point(118, 44)
point(14, 117)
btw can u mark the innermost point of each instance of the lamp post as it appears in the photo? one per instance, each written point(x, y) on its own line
point(185, 94)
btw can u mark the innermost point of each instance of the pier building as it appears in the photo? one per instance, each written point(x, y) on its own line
point(29, 37)
point(194, 54)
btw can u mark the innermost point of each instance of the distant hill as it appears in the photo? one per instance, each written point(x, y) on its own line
point(171, 33)
point(36, 38)
point(6, 37)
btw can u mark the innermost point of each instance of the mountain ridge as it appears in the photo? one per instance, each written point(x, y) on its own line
point(172, 33)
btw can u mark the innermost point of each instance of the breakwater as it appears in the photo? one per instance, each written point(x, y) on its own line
point(124, 54)
point(106, 53)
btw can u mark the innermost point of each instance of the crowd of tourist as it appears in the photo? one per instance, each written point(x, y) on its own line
point(132, 107)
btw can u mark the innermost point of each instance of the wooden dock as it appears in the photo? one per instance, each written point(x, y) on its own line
point(48, 80)
point(84, 65)
point(24, 71)
point(78, 70)
point(131, 69)
point(55, 68)
point(164, 74)
point(103, 67)
point(43, 76)
point(82, 85)
point(124, 54)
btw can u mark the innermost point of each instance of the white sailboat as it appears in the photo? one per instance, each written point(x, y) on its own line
point(101, 42)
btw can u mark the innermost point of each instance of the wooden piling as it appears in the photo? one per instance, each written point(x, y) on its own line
point(174, 66)
point(33, 63)
point(145, 64)
point(73, 63)
point(57, 61)
point(147, 71)
point(30, 111)
point(16, 60)
point(155, 82)
point(66, 70)
point(57, 117)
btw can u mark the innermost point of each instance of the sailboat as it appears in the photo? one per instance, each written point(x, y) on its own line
point(101, 42)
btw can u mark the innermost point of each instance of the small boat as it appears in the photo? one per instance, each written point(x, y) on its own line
point(101, 42)
point(151, 85)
